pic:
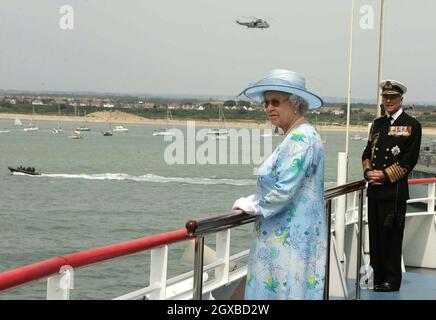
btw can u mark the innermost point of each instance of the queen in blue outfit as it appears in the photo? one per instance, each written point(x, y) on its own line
point(288, 253)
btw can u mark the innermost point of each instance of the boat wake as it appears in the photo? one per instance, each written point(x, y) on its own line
point(154, 178)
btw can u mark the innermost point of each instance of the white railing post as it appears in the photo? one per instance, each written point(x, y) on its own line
point(58, 286)
point(340, 209)
point(430, 196)
point(223, 254)
point(158, 272)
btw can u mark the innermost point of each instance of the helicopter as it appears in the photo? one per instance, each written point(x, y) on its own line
point(255, 23)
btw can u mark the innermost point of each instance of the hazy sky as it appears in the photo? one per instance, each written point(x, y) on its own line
point(195, 46)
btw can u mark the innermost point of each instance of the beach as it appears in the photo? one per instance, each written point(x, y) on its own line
point(126, 118)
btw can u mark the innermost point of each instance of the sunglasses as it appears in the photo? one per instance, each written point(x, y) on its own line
point(274, 102)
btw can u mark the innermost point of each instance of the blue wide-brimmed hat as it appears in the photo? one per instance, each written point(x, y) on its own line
point(283, 81)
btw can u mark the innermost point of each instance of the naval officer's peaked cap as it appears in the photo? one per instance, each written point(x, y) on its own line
point(392, 87)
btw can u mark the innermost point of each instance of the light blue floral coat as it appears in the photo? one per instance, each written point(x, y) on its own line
point(288, 254)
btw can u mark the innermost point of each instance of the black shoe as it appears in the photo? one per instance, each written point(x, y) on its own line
point(386, 287)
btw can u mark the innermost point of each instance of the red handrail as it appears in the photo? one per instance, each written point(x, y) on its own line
point(422, 180)
point(46, 268)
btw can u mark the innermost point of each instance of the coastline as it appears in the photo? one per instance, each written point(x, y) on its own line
point(126, 118)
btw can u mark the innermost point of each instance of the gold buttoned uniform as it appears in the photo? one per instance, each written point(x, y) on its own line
point(393, 149)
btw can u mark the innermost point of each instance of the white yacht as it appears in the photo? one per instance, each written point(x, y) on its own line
point(58, 129)
point(18, 122)
point(356, 137)
point(76, 135)
point(120, 129)
point(30, 128)
point(219, 132)
point(165, 131)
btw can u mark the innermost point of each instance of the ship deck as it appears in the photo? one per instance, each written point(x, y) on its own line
point(417, 284)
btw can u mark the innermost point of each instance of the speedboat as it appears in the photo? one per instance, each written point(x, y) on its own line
point(108, 133)
point(4, 130)
point(120, 129)
point(218, 132)
point(83, 129)
point(76, 135)
point(31, 128)
point(356, 137)
point(20, 169)
point(162, 132)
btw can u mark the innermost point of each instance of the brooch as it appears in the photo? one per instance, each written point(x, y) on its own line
point(396, 151)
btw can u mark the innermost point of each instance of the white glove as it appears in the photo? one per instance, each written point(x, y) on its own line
point(248, 205)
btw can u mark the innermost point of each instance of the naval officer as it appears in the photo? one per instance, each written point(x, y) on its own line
point(391, 153)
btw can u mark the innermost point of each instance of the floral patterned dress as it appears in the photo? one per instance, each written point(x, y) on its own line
point(288, 254)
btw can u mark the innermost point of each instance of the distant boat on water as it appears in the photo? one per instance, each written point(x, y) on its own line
point(58, 130)
point(31, 127)
point(108, 132)
point(82, 128)
point(76, 135)
point(120, 129)
point(165, 131)
point(276, 133)
point(219, 132)
point(20, 169)
point(356, 137)
point(4, 130)
point(18, 122)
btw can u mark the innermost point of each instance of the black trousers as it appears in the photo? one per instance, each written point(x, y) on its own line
point(385, 243)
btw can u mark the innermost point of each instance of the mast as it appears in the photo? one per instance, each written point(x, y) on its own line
point(350, 69)
point(380, 59)
point(59, 114)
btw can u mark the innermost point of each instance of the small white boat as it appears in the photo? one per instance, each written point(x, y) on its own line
point(76, 135)
point(83, 129)
point(162, 132)
point(218, 132)
point(4, 130)
point(57, 130)
point(356, 137)
point(120, 129)
point(18, 123)
point(166, 131)
point(31, 128)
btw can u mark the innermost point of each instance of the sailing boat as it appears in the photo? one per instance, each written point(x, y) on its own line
point(276, 133)
point(166, 131)
point(323, 138)
point(219, 132)
point(108, 132)
point(18, 122)
point(58, 129)
point(82, 128)
point(30, 126)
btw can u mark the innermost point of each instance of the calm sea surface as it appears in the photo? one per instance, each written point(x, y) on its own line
point(103, 190)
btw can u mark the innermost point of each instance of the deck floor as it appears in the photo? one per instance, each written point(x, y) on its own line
point(414, 286)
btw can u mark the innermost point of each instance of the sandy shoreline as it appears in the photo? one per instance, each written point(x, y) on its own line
point(126, 118)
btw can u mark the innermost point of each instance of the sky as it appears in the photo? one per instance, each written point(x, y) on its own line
point(194, 47)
